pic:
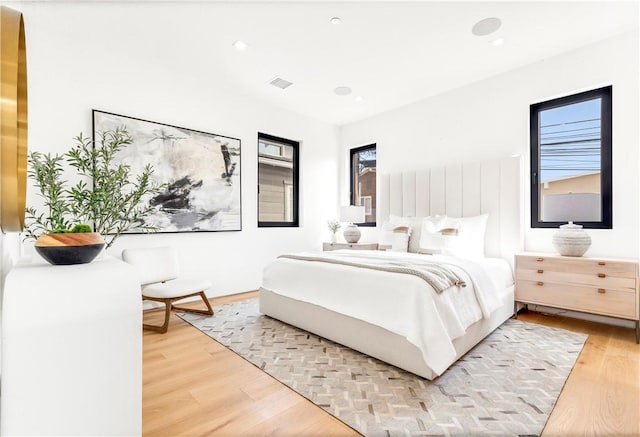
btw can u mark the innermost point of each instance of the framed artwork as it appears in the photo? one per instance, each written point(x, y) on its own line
point(201, 173)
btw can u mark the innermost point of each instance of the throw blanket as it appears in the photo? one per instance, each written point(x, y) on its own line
point(439, 276)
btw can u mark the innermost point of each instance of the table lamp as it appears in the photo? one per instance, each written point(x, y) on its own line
point(571, 239)
point(352, 214)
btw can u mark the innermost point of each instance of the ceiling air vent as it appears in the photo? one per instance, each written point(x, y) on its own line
point(280, 83)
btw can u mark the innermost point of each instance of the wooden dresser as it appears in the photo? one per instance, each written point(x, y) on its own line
point(602, 286)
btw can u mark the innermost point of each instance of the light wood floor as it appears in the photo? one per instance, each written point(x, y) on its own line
point(194, 386)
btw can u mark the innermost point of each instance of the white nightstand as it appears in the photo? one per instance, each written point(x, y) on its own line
point(602, 286)
point(352, 246)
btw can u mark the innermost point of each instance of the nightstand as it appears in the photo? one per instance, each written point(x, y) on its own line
point(604, 286)
point(352, 246)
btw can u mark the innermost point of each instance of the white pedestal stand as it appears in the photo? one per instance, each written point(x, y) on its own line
point(71, 350)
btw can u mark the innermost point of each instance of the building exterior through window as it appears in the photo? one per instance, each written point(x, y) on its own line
point(571, 160)
point(363, 181)
point(277, 181)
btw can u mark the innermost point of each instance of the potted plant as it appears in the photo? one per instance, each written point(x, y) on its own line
point(112, 200)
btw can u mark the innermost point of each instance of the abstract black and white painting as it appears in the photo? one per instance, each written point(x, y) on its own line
point(201, 173)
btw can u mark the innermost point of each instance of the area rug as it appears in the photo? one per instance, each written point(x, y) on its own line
point(507, 385)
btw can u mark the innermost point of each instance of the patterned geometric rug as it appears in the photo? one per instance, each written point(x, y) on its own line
point(507, 385)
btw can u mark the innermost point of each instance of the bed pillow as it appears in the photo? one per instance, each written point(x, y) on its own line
point(394, 238)
point(414, 224)
point(470, 236)
point(437, 235)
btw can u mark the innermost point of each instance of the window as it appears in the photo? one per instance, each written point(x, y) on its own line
point(571, 161)
point(277, 181)
point(363, 181)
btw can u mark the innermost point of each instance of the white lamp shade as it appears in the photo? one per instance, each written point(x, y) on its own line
point(352, 214)
point(574, 207)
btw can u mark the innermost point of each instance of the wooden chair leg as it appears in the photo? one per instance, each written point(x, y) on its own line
point(208, 311)
point(168, 303)
point(167, 313)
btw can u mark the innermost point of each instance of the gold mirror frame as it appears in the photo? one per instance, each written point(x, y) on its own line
point(13, 125)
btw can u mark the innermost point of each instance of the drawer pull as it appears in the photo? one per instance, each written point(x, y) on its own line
point(539, 283)
point(602, 263)
point(602, 290)
point(540, 259)
point(540, 271)
point(601, 275)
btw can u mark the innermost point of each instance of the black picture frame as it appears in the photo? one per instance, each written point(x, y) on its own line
point(201, 170)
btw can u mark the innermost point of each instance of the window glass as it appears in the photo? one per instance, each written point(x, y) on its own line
point(277, 181)
point(363, 181)
point(571, 160)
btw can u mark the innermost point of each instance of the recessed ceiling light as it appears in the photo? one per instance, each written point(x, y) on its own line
point(335, 20)
point(486, 26)
point(497, 42)
point(358, 98)
point(342, 91)
point(240, 45)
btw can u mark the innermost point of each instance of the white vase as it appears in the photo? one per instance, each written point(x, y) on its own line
point(333, 238)
point(571, 240)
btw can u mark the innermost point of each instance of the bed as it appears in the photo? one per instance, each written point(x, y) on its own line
point(397, 317)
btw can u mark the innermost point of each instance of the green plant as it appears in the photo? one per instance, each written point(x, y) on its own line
point(81, 228)
point(334, 226)
point(112, 200)
point(46, 170)
point(76, 229)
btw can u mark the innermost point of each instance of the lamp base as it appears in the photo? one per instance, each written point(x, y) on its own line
point(352, 233)
point(571, 240)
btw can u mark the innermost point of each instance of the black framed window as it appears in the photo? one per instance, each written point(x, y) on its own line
point(571, 160)
point(363, 181)
point(277, 181)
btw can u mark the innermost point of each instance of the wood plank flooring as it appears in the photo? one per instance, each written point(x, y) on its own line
point(602, 395)
point(193, 386)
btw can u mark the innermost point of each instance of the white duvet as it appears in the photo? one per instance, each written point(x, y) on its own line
point(401, 303)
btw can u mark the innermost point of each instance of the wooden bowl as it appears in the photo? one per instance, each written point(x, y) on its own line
point(67, 249)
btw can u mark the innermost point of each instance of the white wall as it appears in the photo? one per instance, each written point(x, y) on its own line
point(490, 119)
point(89, 56)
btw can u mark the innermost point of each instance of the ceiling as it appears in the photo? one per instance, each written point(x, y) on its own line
point(389, 53)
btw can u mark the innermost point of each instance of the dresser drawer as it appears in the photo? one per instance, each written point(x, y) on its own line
point(594, 279)
point(620, 269)
point(589, 299)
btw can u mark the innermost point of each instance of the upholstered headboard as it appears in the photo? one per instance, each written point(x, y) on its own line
point(464, 190)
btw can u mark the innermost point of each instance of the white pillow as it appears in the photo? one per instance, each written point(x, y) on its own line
point(414, 224)
point(386, 236)
point(394, 238)
point(470, 238)
point(437, 236)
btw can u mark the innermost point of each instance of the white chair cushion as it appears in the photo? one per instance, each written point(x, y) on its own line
point(175, 288)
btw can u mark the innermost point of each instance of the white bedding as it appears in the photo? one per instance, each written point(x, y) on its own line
point(401, 303)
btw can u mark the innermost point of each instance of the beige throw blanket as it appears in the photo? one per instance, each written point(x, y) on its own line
point(438, 276)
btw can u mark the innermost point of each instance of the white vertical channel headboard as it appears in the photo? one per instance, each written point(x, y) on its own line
point(463, 190)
